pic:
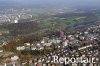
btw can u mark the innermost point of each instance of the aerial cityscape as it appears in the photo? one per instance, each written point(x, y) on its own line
point(49, 33)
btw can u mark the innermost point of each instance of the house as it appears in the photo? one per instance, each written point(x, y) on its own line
point(20, 48)
point(27, 45)
point(1, 51)
point(65, 43)
point(47, 44)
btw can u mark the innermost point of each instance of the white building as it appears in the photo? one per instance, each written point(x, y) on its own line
point(20, 48)
point(65, 43)
point(47, 44)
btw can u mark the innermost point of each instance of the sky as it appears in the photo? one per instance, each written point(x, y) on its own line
point(49, 2)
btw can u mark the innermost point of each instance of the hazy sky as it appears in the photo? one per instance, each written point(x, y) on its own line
point(46, 2)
